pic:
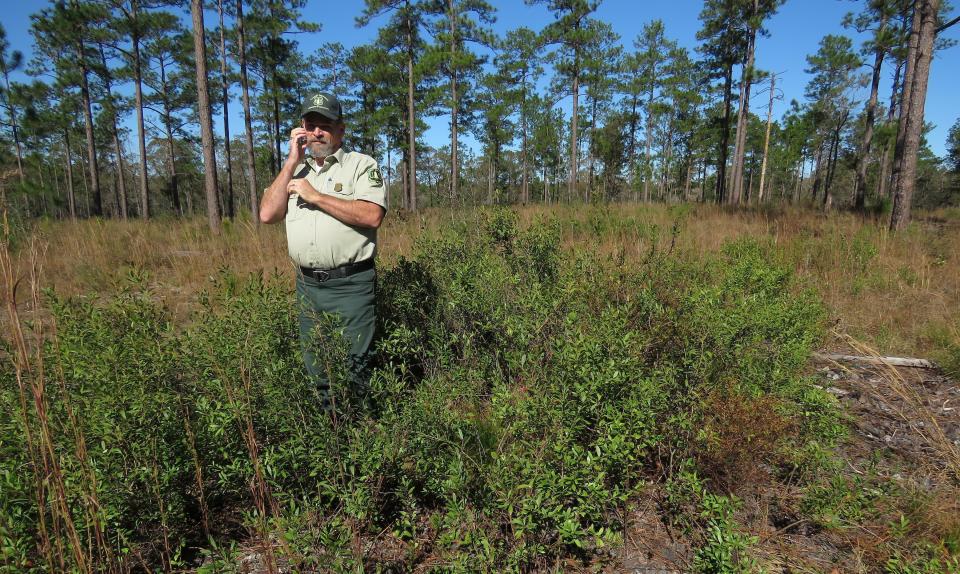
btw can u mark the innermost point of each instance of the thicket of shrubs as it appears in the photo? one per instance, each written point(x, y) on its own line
point(523, 397)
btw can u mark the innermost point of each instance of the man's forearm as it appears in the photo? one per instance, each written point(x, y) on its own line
point(273, 205)
point(357, 213)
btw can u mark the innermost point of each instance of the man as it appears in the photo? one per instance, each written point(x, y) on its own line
point(332, 201)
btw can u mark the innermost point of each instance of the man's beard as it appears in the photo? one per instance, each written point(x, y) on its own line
point(322, 149)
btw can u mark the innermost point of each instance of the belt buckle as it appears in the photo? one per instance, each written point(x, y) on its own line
point(321, 275)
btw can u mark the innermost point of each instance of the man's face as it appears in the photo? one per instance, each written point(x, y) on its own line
point(325, 135)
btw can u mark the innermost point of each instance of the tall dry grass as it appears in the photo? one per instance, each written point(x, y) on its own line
point(900, 293)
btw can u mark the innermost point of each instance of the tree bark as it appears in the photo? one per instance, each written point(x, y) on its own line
point(632, 146)
point(860, 186)
point(817, 172)
point(121, 188)
point(248, 123)
point(721, 185)
point(225, 96)
point(832, 165)
point(525, 178)
point(411, 120)
point(93, 168)
point(572, 184)
point(71, 193)
point(206, 119)
point(912, 123)
point(593, 134)
point(168, 128)
point(454, 104)
point(647, 164)
point(766, 140)
point(906, 91)
point(739, 147)
point(138, 104)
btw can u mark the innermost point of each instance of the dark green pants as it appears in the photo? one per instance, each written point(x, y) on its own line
point(352, 302)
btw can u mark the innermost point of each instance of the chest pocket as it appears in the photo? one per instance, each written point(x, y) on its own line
point(339, 187)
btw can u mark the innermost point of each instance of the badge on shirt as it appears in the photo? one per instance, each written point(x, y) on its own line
point(338, 187)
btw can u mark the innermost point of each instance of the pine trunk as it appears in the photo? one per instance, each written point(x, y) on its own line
point(632, 146)
point(721, 185)
point(225, 97)
point(411, 120)
point(593, 134)
point(525, 179)
point(141, 132)
point(766, 140)
point(168, 128)
point(96, 208)
point(572, 182)
point(860, 186)
point(912, 127)
point(206, 119)
point(454, 104)
point(884, 175)
point(248, 123)
point(906, 91)
point(647, 164)
point(120, 187)
point(71, 193)
point(739, 148)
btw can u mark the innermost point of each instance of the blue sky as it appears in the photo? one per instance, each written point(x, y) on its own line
point(794, 33)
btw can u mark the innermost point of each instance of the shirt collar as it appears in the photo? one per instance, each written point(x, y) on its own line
point(336, 156)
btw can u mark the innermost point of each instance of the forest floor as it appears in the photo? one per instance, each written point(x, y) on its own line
point(900, 462)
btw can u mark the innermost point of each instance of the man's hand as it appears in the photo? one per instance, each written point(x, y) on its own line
point(301, 187)
point(358, 213)
point(298, 144)
point(273, 205)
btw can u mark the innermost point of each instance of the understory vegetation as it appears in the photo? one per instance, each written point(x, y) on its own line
point(526, 397)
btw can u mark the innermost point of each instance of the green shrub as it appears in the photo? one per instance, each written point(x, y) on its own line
point(523, 395)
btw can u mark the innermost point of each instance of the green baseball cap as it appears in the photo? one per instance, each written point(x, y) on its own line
point(323, 103)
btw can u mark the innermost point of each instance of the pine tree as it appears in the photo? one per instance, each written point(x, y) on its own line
point(63, 34)
point(138, 25)
point(403, 34)
point(247, 120)
point(278, 61)
point(829, 91)
point(723, 44)
point(111, 107)
point(601, 67)
point(652, 49)
point(876, 17)
point(460, 22)
point(172, 82)
point(518, 62)
point(571, 32)
point(752, 14)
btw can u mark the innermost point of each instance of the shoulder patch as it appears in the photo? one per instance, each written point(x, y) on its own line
point(373, 175)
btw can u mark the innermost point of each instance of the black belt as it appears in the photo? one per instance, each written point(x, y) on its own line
point(347, 270)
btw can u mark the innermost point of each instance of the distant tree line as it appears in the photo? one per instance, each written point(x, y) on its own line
point(650, 121)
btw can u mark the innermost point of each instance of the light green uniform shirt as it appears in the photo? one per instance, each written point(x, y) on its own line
point(316, 239)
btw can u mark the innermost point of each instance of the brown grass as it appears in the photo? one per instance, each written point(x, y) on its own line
point(898, 293)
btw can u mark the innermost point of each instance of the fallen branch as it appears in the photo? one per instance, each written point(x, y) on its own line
point(892, 361)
